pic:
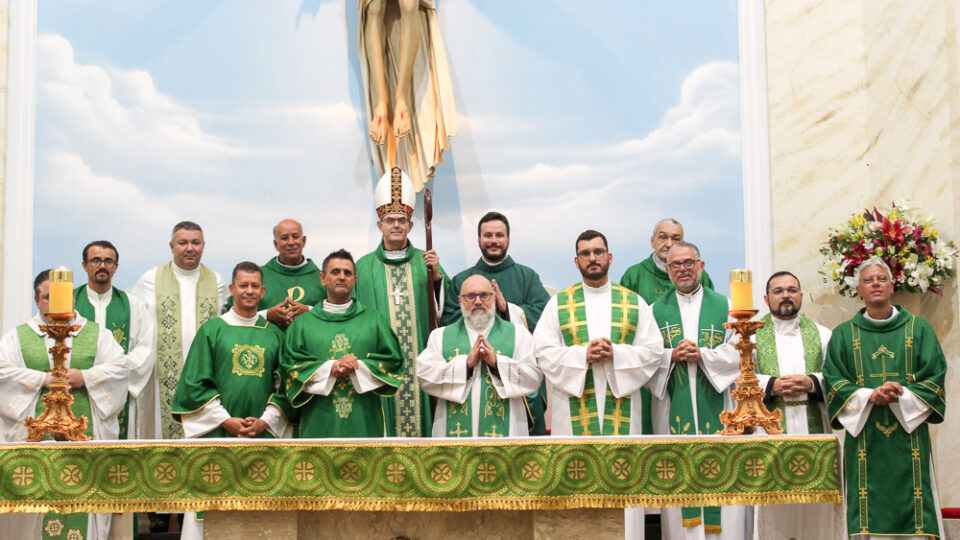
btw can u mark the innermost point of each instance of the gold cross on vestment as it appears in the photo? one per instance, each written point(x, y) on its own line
point(575, 324)
point(584, 414)
point(616, 416)
point(493, 432)
point(397, 294)
point(883, 353)
point(456, 353)
point(459, 432)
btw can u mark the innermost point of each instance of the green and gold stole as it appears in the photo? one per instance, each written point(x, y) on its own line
point(572, 312)
point(84, 352)
point(170, 338)
point(495, 411)
point(710, 334)
point(118, 323)
point(769, 364)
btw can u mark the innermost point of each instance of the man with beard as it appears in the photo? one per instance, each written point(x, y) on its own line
point(392, 281)
point(339, 359)
point(520, 297)
point(790, 352)
point(698, 366)
point(479, 367)
point(884, 374)
point(129, 320)
point(598, 344)
point(291, 281)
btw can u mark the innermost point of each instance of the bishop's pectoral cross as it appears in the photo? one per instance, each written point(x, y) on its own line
point(397, 294)
point(883, 353)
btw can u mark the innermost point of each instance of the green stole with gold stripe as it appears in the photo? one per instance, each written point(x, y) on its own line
point(495, 411)
point(710, 334)
point(572, 313)
point(82, 356)
point(769, 364)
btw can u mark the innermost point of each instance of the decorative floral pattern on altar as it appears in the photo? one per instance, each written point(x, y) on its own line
point(443, 475)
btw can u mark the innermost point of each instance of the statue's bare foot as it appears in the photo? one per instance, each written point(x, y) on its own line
point(378, 124)
point(401, 119)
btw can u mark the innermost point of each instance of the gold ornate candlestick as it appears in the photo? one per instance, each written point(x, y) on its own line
point(57, 418)
point(750, 410)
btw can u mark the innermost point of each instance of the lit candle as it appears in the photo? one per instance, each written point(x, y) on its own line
point(741, 290)
point(61, 291)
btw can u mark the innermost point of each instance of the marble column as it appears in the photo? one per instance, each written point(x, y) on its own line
point(864, 108)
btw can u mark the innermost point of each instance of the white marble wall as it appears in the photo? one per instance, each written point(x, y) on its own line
point(864, 108)
point(4, 63)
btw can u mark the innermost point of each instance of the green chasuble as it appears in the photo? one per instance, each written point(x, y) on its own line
point(82, 356)
point(650, 282)
point(495, 411)
point(521, 286)
point(887, 469)
point(118, 323)
point(301, 284)
point(238, 364)
point(170, 344)
point(710, 334)
point(319, 336)
point(768, 363)
point(396, 290)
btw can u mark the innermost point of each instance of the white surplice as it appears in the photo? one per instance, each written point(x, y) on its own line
point(20, 388)
point(447, 380)
point(801, 521)
point(148, 403)
point(565, 368)
point(721, 366)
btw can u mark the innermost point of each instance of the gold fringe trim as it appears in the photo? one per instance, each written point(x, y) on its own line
point(419, 504)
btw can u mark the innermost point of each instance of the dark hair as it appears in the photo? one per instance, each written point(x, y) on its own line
point(590, 234)
point(338, 254)
point(778, 274)
point(246, 266)
point(101, 244)
point(37, 281)
point(493, 216)
point(185, 226)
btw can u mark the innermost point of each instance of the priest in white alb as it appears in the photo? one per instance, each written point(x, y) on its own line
point(598, 344)
point(479, 368)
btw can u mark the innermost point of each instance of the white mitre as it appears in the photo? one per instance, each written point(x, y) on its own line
point(395, 194)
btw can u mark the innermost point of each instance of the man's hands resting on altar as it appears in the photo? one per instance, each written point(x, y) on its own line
point(886, 393)
point(685, 351)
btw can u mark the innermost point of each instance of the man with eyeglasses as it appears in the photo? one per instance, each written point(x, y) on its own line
point(698, 366)
point(885, 375)
point(131, 325)
point(479, 368)
point(519, 295)
point(598, 344)
point(392, 281)
point(790, 352)
point(649, 277)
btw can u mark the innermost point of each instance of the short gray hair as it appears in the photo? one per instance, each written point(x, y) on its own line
point(665, 220)
point(873, 261)
point(683, 244)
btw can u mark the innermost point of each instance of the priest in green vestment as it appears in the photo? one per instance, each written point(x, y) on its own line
point(479, 368)
point(340, 359)
point(291, 280)
point(520, 297)
point(392, 282)
point(98, 376)
point(885, 374)
point(692, 386)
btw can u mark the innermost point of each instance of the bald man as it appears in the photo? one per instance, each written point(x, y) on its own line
point(479, 368)
point(292, 281)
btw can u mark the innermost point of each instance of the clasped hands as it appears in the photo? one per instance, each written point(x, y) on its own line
point(246, 428)
point(74, 379)
point(792, 385)
point(285, 312)
point(344, 366)
point(685, 351)
point(886, 393)
point(599, 350)
point(481, 350)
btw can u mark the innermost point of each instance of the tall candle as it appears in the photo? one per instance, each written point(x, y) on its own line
point(61, 291)
point(741, 290)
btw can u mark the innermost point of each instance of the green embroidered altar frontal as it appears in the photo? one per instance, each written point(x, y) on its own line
point(417, 474)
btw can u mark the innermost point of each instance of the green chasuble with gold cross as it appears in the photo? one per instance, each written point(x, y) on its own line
point(887, 469)
point(300, 284)
point(318, 336)
point(396, 289)
point(238, 364)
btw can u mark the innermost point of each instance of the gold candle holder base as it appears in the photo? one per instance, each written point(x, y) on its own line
point(750, 411)
point(57, 418)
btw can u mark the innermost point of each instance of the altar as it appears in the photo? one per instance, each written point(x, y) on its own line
point(528, 488)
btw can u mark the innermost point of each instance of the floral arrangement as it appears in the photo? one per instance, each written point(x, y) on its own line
point(919, 259)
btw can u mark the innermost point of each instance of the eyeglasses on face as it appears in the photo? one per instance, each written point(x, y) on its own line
point(686, 265)
point(391, 221)
point(596, 252)
point(97, 261)
point(472, 297)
